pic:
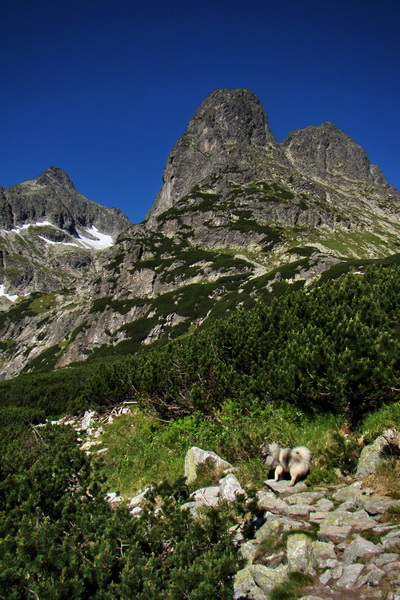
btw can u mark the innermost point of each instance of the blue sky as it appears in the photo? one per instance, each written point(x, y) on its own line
point(103, 89)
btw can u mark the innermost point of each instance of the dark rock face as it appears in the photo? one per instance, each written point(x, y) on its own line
point(220, 136)
point(228, 142)
point(325, 150)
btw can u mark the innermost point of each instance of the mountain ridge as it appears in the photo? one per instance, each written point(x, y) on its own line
point(239, 217)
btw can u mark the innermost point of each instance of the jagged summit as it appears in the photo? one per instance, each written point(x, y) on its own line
point(325, 150)
point(54, 176)
point(225, 132)
point(230, 116)
point(52, 197)
point(228, 142)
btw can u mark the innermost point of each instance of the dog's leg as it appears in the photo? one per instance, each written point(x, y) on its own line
point(293, 481)
point(278, 472)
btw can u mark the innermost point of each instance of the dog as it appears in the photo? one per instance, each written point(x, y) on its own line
point(295, 461)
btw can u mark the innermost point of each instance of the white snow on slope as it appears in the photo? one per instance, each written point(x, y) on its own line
point(18, 228)
point(11, 298)
point(102, 240)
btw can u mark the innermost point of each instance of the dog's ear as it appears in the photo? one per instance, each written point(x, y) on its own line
point(264, 450)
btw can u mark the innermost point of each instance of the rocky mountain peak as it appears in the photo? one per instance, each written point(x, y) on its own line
point(224, 131)
point(54, 176)
point(227, 117)
point(325, 150)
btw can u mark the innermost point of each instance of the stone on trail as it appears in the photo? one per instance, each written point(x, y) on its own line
point(230, 488)
point(299, 554)
point(196, 457)
point(359, 548)
point(283, 486)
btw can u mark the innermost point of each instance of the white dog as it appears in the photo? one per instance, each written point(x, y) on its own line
point(295, 461)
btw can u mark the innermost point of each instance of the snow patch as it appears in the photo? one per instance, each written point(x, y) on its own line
point(51, 243)
point(102, 240)
point(97, 241)
point(10, 297)
point(19, 228)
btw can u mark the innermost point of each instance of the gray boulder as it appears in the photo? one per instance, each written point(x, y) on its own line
point(196, 457)
point(299, 554)
point(373, 454)
point(230, 488)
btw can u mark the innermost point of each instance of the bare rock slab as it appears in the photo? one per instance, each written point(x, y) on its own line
point(359, 548)
point(284, 486)
point(333, 533)
point(350, 575)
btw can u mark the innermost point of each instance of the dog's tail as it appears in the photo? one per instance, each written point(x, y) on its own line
point(301, 454)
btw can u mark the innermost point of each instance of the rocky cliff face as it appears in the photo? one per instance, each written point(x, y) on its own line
point(239, 217)
point(49, 234)
point(52, 197)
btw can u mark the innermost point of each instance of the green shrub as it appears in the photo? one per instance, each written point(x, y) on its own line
point(74, 546)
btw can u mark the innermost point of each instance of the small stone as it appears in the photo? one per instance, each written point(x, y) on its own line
point(337, 572)
point(101, 451)
point(137, 500)
point(349, 505)
point(299, 510)
point(268, 501)
point(192, 507)
point(196, 456)
point(379, 505)
point(351, 492)
point(256, 581)
point(136, 510)
point(372, 577)
point(284, 486)
point(267, 578)
point(326, 577)
point(372, 454)
point(207, 496)
point(350, 575)
point(386, 557)
point(87, 420)
point(318, 517)
point(391, 540)
point(324, 505)
point(358, 520)
point(324, 555)
point(359, 548)
point(390, 567)
point(333, 533)
point(245, 586)
point(306, 498)
point(248, 550)
point(276, 523)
